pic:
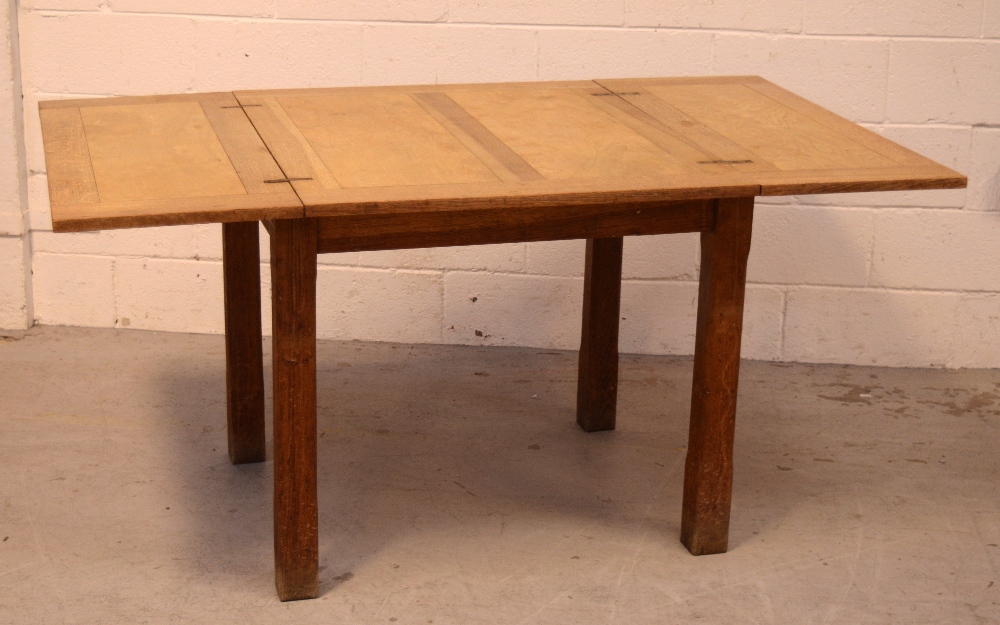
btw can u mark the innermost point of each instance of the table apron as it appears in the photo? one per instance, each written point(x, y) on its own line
point(388, 231)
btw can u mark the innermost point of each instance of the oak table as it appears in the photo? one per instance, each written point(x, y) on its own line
point(350, 169)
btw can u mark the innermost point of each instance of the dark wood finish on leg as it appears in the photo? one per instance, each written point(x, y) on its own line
point(597, 387)
point(244, 355)
point(708, 473)
point(293, 283)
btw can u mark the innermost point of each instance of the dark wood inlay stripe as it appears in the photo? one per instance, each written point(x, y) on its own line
point(471, 126)
point(653, 111)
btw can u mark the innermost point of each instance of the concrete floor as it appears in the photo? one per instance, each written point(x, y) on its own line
point(455, 487)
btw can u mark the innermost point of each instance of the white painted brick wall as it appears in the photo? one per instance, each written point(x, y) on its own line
point(871, 326)
point(579, 13)
point(428, 53)
point(919, 69)
point(512, 309)
point(811, 245)
point(847, 76)
point(936, 249)
point(375, 10)
point(902, 279)
point(13, 304)
point(756, 15)
point(168, 294)
point(253, 54)
point(927, 18)
point(651, 257)
point(612, 53)
point(984, 174)
point(991, 19)
point(503, 258)
point(10, 205)
point(379, 304)
point(977, 340)
point(15, 247)
point(85, 280)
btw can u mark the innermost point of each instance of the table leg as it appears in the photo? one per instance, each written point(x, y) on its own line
point(708, 473)
point(293, 284)
point(244, 355)
point(597, 386)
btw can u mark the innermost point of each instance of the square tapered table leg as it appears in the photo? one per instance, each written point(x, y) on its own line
point(597, 385)
point(244, 353)
point(293, 284)
point(708, 473)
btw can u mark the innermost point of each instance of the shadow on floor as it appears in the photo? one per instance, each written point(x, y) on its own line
point(412, 437)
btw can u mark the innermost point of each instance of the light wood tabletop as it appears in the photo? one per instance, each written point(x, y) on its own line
point(200, 158)
point(375, 168)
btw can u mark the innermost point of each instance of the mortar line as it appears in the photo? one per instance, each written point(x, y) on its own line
point(711, 54)
point(871, 254)
point(114, 290)
point(364, 31)
point(787, 285)
point(784, 322)
point(529, 26)
point(953, 348)
point(538, 54)
point(885, 97)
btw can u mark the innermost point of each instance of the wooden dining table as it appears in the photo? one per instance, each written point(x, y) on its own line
point(379, 168)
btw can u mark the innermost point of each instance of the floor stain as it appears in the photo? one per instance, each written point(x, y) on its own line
point(853, 394)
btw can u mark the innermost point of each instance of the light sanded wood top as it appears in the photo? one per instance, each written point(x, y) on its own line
point(126, 162)
point(159, 160)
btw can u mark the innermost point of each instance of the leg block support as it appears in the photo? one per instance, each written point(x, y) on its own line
point(597, 387)
point(244, 354)
point(708, 472)
point(296, 518)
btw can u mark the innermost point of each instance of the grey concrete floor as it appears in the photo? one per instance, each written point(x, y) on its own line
point(455, 487)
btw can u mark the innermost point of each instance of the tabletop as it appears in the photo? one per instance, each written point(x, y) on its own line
point(251, 155)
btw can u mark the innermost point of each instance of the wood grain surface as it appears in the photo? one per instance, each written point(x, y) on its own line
point(542, 144)
point(708, 471)
point(597, 382)
point(244, 349)
point(159, 160)
point(192, 158)
point(293, 304)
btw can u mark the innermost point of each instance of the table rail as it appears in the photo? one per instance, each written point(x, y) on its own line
point(356, 233)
